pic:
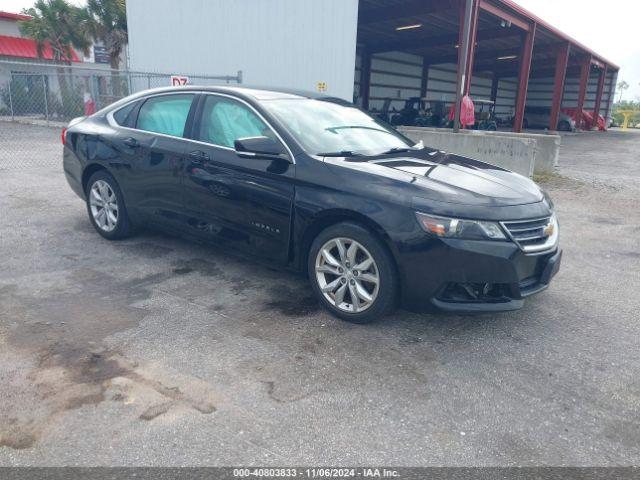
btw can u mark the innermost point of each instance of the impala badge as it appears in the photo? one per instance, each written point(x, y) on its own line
point(263, 226)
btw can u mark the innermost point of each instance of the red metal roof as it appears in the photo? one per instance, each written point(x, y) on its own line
point(559, 33)
point(27, 48)
point(14, 16)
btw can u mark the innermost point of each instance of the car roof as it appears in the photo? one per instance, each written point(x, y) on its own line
point(255, 92)
point(245, 92)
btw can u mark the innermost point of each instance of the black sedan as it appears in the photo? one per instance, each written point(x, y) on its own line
point(316, 184)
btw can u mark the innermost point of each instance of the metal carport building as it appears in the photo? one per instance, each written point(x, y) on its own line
point(411, 48)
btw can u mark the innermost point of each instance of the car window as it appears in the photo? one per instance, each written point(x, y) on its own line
point(225, 120)
point(166, 114)
point(324, 126)
point(123, 116)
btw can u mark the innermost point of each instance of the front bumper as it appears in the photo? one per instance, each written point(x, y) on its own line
point(474, 276)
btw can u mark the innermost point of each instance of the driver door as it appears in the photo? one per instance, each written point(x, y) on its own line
point(244, 202)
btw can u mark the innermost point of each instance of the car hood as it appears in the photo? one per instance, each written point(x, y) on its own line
point(445, 177)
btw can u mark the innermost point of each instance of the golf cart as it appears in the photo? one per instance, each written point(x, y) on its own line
point(485, 117)
point(417, 112)
point(413, 114)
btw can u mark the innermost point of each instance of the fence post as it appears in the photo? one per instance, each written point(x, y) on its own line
point(11, 98)
point(94, 91)
point(46, 101)
point(148, 81)
point(128, 74)
point(239, 76)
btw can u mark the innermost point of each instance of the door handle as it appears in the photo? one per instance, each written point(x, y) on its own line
point(199, 156)
point(131, 142)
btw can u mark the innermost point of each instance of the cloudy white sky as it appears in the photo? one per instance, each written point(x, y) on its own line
point(608, 27)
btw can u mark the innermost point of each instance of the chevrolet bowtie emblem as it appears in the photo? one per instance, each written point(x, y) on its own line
point(548, 230)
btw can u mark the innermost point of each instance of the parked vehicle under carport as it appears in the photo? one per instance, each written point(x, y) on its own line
point(540, 117)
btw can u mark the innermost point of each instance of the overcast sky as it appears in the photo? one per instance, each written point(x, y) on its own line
point(608, 27)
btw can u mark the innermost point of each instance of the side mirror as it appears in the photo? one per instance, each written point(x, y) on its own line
point(260, 147)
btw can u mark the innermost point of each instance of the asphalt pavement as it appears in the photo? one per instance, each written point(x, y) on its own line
point(156, 351)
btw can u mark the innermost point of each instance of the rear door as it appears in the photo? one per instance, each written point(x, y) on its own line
point(245, 202)
point(157, 145)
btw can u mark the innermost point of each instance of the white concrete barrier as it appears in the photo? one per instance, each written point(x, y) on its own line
point(522, 153)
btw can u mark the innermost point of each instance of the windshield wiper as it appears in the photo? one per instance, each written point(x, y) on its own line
point(342, 153)
point(417, 146)
point(363, 127)
point(398, 150)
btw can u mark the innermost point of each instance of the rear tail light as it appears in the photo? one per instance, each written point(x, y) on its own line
point(63, 136)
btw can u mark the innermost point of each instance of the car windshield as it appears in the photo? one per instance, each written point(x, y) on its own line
point(324, 127)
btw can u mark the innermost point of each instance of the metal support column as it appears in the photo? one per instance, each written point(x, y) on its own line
point(582, 89)
point(523, 77)
point(365, 78)
point(473, 33)
point(612, 91)
point(596, 109)
point(425, 78)
point(495, 80)
point(465, 33)
point(562, 60)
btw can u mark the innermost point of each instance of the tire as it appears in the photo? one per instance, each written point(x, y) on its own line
point(112, 222)
point(564, 126)
point(336, 274)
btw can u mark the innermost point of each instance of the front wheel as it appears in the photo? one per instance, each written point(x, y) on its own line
point(106, 208)
point(352, 273)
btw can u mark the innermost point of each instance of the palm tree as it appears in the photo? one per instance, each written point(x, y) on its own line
point(55, 22)
point(106, 22)
point(622, 86)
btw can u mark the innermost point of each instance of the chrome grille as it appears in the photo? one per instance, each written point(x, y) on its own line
point(535, 235)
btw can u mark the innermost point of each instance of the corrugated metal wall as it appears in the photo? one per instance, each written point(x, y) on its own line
point(540, 92)
point(398, 76)
point(288, 43)
point(394, 75)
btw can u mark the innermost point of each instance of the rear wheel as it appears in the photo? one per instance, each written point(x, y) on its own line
point(352, 273)
point(106, 207)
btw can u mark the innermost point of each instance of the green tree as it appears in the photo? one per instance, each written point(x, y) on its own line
point(622, 86)
point(106, 22)
point(55, 22)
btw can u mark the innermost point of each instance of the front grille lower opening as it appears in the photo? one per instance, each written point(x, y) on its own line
point(474, 293)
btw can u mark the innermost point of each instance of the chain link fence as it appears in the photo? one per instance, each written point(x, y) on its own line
point(49, 95)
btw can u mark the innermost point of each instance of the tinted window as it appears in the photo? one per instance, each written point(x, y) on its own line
point(225, 120)
point(166, 114)
point(123, 116)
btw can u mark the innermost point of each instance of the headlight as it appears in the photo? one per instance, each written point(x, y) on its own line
point(456, 228)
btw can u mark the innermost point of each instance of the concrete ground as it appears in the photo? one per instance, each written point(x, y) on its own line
point(156, 351)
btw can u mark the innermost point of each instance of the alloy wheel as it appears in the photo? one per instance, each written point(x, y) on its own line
point(347, 275)
point(104, 205)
